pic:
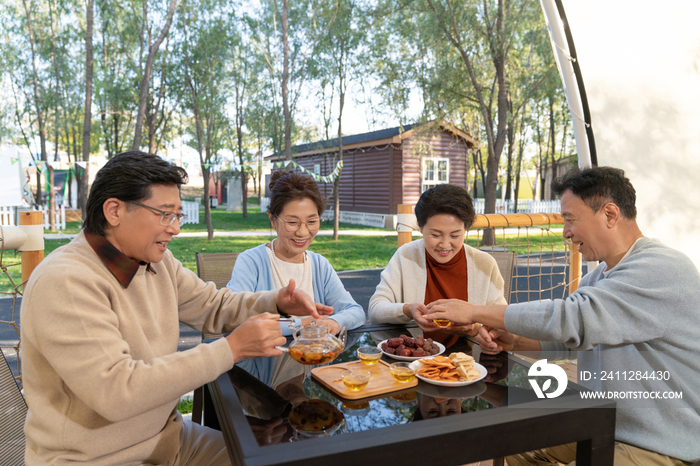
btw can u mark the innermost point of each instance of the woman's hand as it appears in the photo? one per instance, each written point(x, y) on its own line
point(298, 303)
point(417, 311)
point(333, 326)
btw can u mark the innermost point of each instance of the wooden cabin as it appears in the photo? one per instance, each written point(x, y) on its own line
point(385, 168)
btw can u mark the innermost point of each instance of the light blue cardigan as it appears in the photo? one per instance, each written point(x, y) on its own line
point(252, 272)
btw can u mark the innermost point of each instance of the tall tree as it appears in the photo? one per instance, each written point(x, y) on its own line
point(206, 45)
point(41, 108)
point(337, 62)
point(246, 67)
point(296, 45)
point(87, 121)
point(146, 77)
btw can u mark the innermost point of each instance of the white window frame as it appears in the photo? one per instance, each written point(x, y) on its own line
point(431, 176)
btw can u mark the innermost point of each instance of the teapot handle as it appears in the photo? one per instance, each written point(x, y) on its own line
point(343, 335)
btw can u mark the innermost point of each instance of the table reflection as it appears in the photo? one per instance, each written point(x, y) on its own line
point(270, 387)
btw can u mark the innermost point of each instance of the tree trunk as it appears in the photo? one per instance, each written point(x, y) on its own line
point(341, 105)
point(145, 79)
point(518, 169)
point(87, 122)
point(521, 150)
point(260, 177)
point(207, 203)
point(240, 93)
point(57, 101)
point(509, 158)
point(495, 137)
point(285, 83)
point(553, 140)
point(37, 101)
point(244, 178)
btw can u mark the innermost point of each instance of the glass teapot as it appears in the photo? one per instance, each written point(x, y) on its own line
point(313, 345)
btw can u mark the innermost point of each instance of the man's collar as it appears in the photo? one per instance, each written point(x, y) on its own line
point(629, 251)
point(122, 266)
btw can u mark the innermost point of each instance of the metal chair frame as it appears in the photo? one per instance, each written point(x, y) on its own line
point(217, 268)
point(13, 411)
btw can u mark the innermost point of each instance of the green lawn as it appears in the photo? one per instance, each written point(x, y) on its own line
point(349, 253)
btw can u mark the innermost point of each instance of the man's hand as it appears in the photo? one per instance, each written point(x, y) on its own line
point(493, 341)
point(496, 366)
point(456, 305)
point(463, 330)
point(455, 310)
point(298, 303)
point(268, 432)
point(257, 336)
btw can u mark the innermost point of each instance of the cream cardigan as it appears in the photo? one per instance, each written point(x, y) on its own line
point(405, 278)
point(102, 374)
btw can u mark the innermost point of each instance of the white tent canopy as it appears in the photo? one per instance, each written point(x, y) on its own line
point(640, 64)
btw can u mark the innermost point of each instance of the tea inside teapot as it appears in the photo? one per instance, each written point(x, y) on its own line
point(313, 345)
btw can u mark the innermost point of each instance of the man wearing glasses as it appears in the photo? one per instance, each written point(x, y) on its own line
point(100, 327)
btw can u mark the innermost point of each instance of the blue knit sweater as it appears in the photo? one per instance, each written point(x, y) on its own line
point(252, 272)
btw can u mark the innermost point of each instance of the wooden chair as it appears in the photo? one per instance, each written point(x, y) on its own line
point(13, 411)
point(216, 267)
point(213, 267)
point(505, 261)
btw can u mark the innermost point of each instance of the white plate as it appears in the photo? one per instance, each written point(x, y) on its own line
point(415, 365)
point(411, 358)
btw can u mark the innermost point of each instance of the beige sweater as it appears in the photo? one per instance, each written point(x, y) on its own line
point(101, 371)
point(405, 278)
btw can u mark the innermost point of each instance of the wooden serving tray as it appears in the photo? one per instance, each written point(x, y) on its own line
point(380, 381)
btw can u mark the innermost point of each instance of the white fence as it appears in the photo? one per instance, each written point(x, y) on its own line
point(9, 214)
point(363, 218)
point(385, 221)
point(524, 205)
point(191, 209)
point(60, 217)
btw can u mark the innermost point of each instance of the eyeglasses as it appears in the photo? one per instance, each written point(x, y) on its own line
point(292, 226)
point(166, 218)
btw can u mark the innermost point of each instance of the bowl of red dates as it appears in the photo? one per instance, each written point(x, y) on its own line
point(407, 348)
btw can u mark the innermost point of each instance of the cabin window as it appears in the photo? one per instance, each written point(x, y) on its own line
point(317, 169)
point(435, 171)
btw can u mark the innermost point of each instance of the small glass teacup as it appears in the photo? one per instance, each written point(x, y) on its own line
point(369, 355)
point(402, 372)
point(355, 379)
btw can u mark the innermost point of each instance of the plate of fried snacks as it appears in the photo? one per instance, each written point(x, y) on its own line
point(456, 371)
point(406, 348)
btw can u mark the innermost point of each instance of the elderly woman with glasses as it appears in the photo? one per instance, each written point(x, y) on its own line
point(295, 209)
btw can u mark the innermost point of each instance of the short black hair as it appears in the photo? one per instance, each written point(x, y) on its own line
point(128, 177)
point(445, 199)
point(597, 186)
point(290, 186)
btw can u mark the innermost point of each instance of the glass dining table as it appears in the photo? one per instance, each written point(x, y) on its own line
point(423, 424)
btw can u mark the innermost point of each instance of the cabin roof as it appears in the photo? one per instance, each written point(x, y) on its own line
point(383, 136)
